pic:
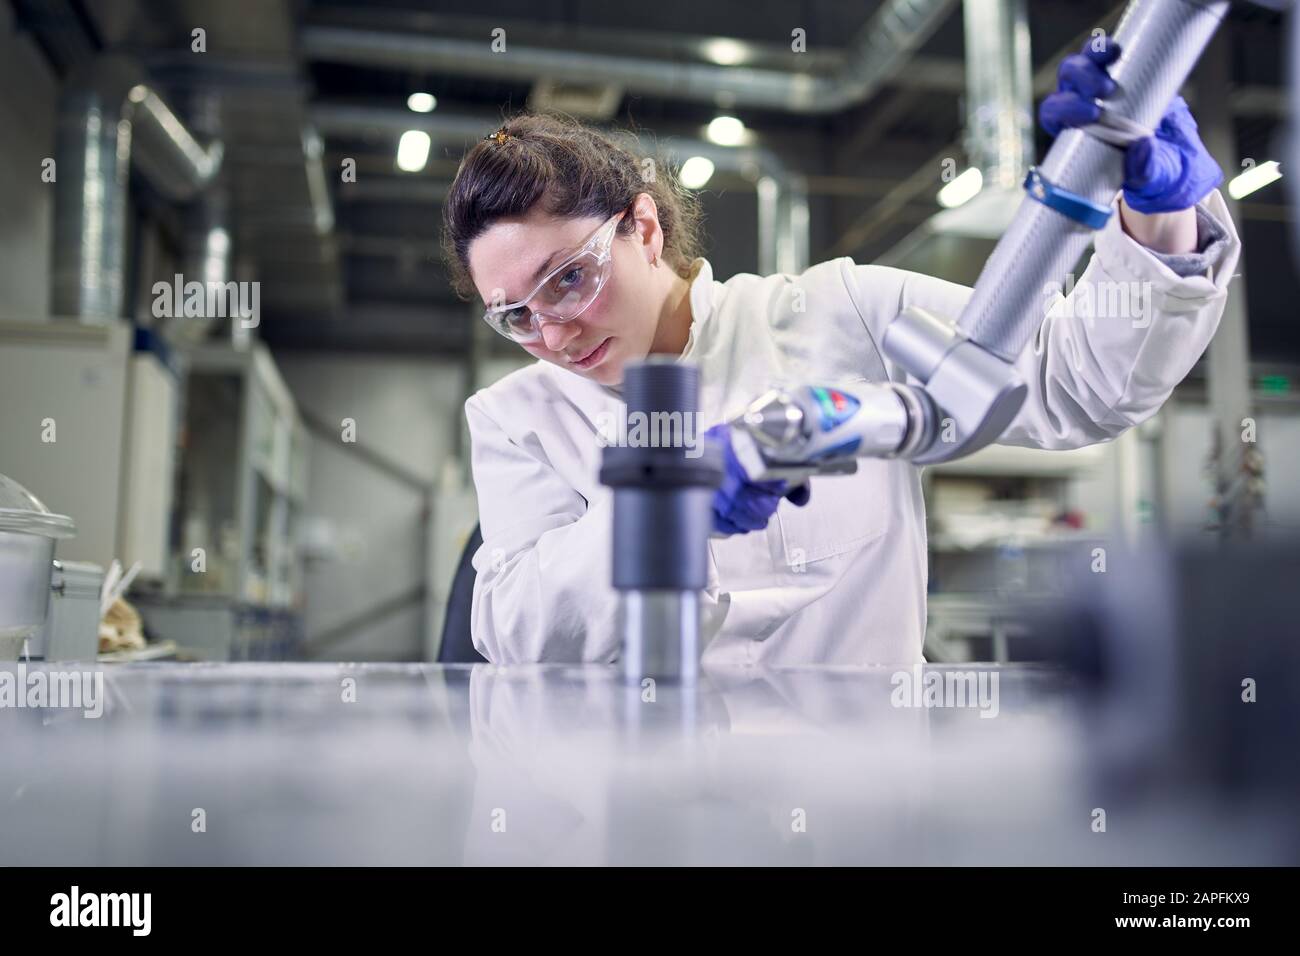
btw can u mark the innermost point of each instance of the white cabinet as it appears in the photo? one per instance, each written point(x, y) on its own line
point(88, 423)
point(242, 480)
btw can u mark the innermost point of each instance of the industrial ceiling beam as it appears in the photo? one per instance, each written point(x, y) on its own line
point(878, 54)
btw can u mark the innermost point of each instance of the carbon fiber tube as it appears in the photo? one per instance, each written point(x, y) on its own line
point(1160, 41)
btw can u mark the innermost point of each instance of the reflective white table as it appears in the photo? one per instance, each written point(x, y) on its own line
point(427, 764)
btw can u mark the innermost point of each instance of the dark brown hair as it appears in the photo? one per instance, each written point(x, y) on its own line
point(574, 171)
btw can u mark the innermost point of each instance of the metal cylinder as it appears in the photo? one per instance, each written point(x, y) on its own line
point(645, 619)
point(661, 386)
point(880, 50)
point(658, 530)
point(93, 162)
point(999, 91)
point(108, 119)
point(206, 258)
point(663, 478)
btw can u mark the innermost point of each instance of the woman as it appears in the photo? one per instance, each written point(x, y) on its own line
point(588, 266)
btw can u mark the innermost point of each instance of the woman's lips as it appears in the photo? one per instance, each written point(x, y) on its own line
point(593, 357)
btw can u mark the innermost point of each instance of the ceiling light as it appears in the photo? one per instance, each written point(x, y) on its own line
point(413, 150)
point(1257, 177)
point(726, 52)
point(726, 131)
point(962, 189)
point(421, 102)
point(695, 172)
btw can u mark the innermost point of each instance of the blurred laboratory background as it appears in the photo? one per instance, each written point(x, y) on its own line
point(291, 482)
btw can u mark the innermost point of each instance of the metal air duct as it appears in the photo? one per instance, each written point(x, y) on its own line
point(879, 51)
point(108, 119)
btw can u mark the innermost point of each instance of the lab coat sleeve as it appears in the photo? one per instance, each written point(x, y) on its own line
point(1111, 349)
point(542, 585)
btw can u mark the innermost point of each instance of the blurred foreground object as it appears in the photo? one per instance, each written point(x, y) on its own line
point(1192, 675)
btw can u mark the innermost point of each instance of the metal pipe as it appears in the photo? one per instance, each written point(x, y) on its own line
point(313, 149)
point(769, 208)
point(108, 119)
point(206, 257)
point(1228, 357)
point(799, 226)
point(999, 91)
point(880, 50)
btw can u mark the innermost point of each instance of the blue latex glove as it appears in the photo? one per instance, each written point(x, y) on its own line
point(741, 505)
point(1166, 172)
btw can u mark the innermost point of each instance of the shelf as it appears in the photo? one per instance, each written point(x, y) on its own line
point(1010, 460)
point(947, 543)
point(153, 652)
point(249, 471)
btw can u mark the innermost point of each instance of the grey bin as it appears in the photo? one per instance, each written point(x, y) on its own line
point(71, 630)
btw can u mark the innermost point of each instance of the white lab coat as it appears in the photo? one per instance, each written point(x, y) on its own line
point(842, 580)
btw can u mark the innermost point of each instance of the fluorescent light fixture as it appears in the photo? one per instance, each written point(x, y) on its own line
point(1257, 177)
point(962, 189)
point(421, 102)
point(695, 172)
point(726, 52)
point(726, 131)
point(413, 150)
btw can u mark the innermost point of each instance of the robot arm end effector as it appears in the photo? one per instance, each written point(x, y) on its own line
point(793, 433)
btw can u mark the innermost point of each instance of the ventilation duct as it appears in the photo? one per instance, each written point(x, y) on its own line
point(999, 142)
point(999, 117)
point(206, 257)
point(109, 118)
point(879, 51)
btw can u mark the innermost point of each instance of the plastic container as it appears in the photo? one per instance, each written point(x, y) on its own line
point(28, 532)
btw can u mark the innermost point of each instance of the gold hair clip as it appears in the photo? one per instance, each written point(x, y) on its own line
point(499, 137)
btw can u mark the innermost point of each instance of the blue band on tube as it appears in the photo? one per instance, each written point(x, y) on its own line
point(1079, 208)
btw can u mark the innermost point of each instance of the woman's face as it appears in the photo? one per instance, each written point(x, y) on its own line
point(512, 255)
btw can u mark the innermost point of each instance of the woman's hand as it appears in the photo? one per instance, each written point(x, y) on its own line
point(741, 505)
point(1165, 175)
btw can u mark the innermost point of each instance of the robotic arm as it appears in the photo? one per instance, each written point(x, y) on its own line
point(967, 390)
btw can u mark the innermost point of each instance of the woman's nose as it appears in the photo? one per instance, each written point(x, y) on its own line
point(556, 335)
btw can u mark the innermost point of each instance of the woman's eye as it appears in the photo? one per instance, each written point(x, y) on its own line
point(570, 278)
point(518, 318)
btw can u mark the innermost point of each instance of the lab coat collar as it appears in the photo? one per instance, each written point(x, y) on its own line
point(700, 278)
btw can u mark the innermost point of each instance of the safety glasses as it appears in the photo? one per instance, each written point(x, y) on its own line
point(567, 291)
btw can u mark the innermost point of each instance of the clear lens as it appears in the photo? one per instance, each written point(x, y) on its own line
point(565, 295)
point(571, 290)
point(516, 322)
